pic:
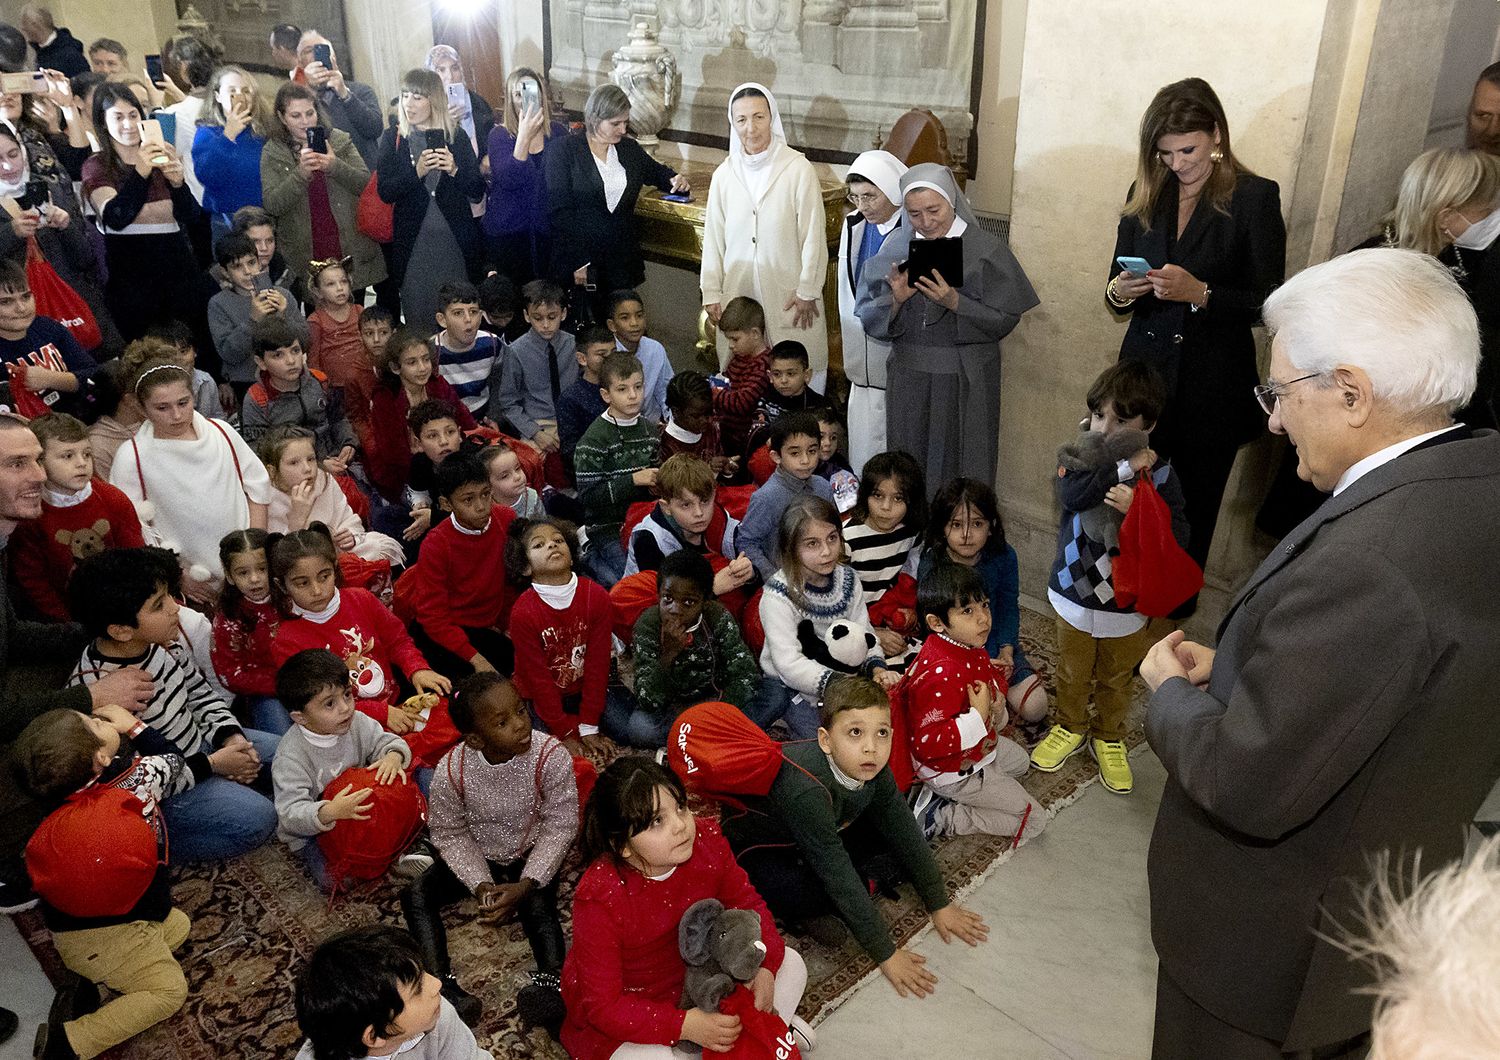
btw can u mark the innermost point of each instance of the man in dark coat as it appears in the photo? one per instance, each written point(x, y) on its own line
point(1349, 708)
point(56, 49)
point(350, 105)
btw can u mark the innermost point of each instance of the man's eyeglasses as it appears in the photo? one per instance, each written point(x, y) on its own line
point(1268, 394)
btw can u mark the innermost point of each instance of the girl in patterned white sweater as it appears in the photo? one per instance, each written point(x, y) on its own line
point(814, 589)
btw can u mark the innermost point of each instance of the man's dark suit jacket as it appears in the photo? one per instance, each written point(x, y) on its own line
point(1350, 711)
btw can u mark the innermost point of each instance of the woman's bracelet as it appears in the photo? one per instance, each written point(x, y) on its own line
point(1112, 292)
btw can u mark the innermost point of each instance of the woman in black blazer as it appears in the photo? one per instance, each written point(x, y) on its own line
point(593, 181)
point(432, 190)
point(1213, 235)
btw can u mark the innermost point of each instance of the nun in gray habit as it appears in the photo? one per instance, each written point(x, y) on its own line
point(943, 375)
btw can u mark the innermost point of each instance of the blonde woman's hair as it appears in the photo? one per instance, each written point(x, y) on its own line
point(794, 521)
point(1185, 106)
point(260, 109)
point(1445, 178)
point(427, 83)
point(1437, 953)
point(512, 119)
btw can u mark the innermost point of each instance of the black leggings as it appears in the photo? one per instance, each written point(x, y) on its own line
point(492, 644)
point(423, 900)
point(793, 891)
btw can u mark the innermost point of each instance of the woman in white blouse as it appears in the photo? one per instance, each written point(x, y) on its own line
point(592, 186)
point(764, 235)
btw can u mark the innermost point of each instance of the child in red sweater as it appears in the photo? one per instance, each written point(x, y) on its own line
point(406, 379)
point(650, 859)
point(743, 323)
point(81, 515)
point(244, 628)
point(969, 772)
point(561, 627)
point(459, 596)
point(362, 631)
point(335, 347)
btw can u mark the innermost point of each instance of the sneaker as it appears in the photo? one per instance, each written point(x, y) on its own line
point(16, 897)
point(1114, 765)
point(468, 1007)
point(1057, 747)
point(541, 1004)
point(9, 1023)
point(925, 804)
point(415, 861)
point(806, 1037)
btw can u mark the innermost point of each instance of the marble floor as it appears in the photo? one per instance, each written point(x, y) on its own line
point(1068, 971)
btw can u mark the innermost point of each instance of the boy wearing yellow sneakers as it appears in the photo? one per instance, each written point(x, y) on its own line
point(1099, 643)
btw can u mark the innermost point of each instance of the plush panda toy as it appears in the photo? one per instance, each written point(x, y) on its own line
point(843, 647)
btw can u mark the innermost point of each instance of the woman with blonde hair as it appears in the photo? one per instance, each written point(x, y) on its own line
point(1214, 246)
point(516, 220)
point(1447, 207)
point(431, 178)
point(232, 131)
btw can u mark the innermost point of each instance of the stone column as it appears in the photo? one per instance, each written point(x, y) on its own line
point(934, 27)
point(820, 28)
point(879, 36)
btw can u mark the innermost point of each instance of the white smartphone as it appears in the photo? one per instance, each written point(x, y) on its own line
point(531, 95)
point(458, 94)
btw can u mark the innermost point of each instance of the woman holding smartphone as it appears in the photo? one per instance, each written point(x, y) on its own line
point(136, 187)
point(469, 110)
point(431, 178)
point(311, 177)
point(1213, 235)
point(232, 130)
point(516, 223)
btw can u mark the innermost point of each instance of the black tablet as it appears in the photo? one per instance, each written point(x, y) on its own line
point(927, 256)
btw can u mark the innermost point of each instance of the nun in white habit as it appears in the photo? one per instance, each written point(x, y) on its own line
point(875, 192)
point(945, 340)
point(764, 231)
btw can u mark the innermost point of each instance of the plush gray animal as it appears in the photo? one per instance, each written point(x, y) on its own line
point(1095, 451)
point(721, 947)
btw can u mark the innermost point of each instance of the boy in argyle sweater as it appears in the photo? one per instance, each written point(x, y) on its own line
point(614, 465)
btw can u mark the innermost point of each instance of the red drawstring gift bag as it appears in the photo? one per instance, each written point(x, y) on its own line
point(364, 850)
point(24, 401)
point(718, 751)
point(55, 299)
point(763, 1035)
point(1152, 573)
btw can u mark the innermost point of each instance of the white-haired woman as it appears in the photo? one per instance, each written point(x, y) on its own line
point(431, 178)
point(764, 234)
point(593, 180)
point(1349, 705)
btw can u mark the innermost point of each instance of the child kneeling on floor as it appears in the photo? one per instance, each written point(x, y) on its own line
point(832, 812)
point(364, 992)
point(124, 941)
point(327, 737)
point(649, 859)
point(954, 697)
point(503, 816)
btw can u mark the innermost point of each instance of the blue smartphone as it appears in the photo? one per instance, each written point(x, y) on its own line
point(1134, 266)
point(672, 196)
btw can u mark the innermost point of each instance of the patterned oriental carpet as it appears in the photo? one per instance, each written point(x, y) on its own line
point(256, 919)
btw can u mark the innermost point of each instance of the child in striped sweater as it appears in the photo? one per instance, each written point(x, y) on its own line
point(614, 465)
point(884, 538)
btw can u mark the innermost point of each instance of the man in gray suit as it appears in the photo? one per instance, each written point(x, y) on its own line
point(1349, 708)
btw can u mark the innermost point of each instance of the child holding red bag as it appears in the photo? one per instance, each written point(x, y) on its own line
point(1100, 643)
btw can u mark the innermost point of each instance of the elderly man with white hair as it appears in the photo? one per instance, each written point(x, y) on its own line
point(350, 105)
point(1349, 709)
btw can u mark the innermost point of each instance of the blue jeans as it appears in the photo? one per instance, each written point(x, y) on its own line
point(619, 705)
point(643, 728)
point(774, 702)
point(268, 715)
point(316, 863)
point(604, 560)
point(1023, 668)
point(219, 818)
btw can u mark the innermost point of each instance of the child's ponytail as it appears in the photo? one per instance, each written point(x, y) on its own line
point(237, 543)
point(284, 550)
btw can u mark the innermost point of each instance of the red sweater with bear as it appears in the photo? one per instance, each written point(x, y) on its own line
point(622, 980)
point(43, 551)
point(460, 581)
point(561, 652)
point(242, 655)
point(948, 737)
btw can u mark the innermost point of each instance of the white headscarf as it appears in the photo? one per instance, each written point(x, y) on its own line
point(16, 185)
point(884, 170)
point(755, 170)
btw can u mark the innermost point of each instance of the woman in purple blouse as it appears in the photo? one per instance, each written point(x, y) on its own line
point(515, 221)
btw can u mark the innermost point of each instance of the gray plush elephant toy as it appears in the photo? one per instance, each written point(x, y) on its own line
point(721, 947)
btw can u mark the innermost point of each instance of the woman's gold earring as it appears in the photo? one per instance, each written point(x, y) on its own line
point(1216, 156)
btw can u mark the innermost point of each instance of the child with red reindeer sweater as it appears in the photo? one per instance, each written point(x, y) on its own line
point(363, 632)
point(244, 629)
point(560, 628)
point(968, 771)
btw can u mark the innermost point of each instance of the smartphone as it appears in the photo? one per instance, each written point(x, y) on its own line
point(323, 53)
point(36, 195)
point(26, 82)
point(151, 137)
point(1137, 267)
point(436, 139)
point(531, 95)
point(153, 68)
point(591, 278)
point(457, 94)
point(317, 139)
point(672, 196)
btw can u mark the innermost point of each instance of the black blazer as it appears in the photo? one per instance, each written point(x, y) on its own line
point(583, 228)
point(1242, 257)
point(400, 187)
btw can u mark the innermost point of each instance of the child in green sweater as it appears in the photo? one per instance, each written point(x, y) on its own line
point(688, 649)
point(614, 465)
point(832, 809)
